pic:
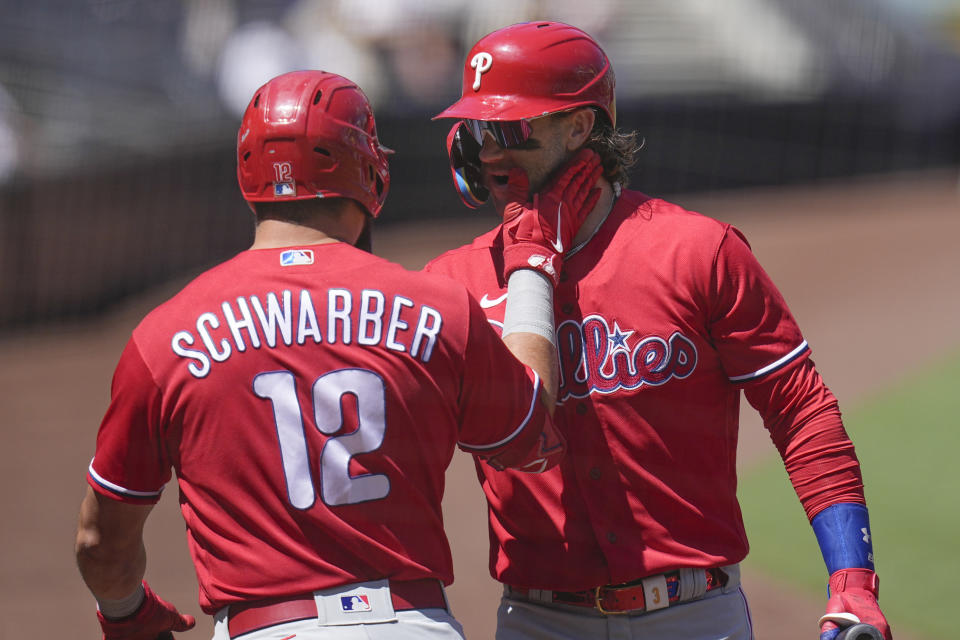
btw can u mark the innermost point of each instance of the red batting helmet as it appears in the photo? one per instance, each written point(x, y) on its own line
point(311, 134)
point(532, 69)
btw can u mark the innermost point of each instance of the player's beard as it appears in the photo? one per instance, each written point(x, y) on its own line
point(553, 159)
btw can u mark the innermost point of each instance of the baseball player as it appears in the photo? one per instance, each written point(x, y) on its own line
point(309, 397)
point(663, 316)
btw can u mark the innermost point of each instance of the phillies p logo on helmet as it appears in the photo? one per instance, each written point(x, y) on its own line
point(482, 63)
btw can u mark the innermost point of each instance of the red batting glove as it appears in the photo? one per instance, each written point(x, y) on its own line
point(154, 617)
point(853, 594)
point(539, 232)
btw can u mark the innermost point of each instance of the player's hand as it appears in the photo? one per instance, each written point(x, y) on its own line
point(532, 455)
point(155, 618)
point(853, 599)
point(541, 230)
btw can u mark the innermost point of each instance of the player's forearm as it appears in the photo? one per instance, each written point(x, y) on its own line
point(539, 354)
point(528, 328)
point(806, 426)
point(110, 574)
point(111, 561)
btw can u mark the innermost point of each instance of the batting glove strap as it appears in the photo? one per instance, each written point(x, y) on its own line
point(853, 599)
point(155, 616)
point(526, 256)
point(855, 579)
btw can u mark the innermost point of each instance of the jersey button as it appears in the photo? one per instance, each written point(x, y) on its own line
point(595, 473)
point(611, 537)
point(567, 308)
point(563, 276)
point(581, 408)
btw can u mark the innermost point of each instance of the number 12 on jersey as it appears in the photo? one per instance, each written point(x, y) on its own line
point(338, 487)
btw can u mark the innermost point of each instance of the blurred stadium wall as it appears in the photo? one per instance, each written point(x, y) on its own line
point(118, 118)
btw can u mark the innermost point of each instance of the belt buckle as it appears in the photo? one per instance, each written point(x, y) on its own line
point(598, 603)
point(655, 596)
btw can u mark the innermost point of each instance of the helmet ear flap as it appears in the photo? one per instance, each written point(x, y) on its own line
point(379, 177)
point(464, 153)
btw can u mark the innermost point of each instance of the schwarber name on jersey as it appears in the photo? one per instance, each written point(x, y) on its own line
point(662, 379)
point(291, 318)
point(309, 399)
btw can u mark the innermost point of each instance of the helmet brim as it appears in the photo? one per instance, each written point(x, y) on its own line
point(494, 108)
point(510, 108)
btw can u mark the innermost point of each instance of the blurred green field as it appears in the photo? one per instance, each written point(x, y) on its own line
point(907, 440)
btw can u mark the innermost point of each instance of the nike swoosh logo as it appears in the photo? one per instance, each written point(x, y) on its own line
point(558, 245)
point(486, 302)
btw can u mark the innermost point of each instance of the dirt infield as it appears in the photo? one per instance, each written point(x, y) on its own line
point(871, 270)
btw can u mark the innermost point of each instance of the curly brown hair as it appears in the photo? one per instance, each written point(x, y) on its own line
point(618, 149)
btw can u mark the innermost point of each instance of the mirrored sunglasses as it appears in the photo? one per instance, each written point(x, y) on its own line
point(506, 133)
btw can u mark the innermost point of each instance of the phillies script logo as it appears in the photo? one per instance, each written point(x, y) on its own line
point(596, 359)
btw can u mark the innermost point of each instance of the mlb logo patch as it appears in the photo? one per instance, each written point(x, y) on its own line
point(292, 257)
point(360, 602)
point(281, 189)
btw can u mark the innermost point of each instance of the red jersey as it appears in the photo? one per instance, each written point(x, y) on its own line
point(662, 317)
point(309, 401)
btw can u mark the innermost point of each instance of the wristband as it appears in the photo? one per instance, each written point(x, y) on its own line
point(529, 305)
point(116, 609)
point(843, 533)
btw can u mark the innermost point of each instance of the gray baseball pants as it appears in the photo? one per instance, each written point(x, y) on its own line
point(722, 614)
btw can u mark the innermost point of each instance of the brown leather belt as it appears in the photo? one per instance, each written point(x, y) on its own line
point(626, 598)
point(245, 617)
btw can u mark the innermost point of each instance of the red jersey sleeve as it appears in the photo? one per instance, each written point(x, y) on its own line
point(131, 463)
point(804, 421)
point(763, 349)
point(750, 324)
point(500, 405)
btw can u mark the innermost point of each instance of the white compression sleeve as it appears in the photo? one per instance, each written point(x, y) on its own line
point(529, 305)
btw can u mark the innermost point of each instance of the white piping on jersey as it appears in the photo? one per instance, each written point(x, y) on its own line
point(523, 424)
point(117, 488)
point(617, 190)
point(770, 367)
